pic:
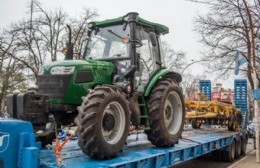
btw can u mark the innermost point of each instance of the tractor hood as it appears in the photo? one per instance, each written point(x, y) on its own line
point(69, 66)
point(65, 82)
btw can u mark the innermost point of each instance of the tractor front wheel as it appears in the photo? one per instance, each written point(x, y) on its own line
point(166, 113)
point(103, 122)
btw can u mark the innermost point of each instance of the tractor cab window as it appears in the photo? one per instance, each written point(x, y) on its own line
point(146, 50)
point(149, 54)
point(108, 42)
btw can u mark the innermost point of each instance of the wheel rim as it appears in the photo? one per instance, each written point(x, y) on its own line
point(244, 143)
point(113, 122)
point(239, 147)
point(173, 113)
point(233, 151)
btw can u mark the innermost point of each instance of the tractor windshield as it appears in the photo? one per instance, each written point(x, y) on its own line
point(108, 42)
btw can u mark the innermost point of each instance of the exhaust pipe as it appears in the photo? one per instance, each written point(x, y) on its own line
point(69, 46)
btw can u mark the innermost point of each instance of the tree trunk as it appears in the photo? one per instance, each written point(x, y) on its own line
point(2, 109)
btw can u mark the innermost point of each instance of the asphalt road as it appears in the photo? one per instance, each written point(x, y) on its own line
point(209, 161)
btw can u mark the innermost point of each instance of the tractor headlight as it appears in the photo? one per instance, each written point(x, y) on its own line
point(62, 70)
point(41, 71)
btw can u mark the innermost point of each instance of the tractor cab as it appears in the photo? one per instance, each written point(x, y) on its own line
point(131, 43)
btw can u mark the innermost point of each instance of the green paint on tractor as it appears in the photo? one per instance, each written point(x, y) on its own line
point(101, 70)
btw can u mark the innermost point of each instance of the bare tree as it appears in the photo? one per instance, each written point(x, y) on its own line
point(39, 36)
point(80, 29)
point(190, 85)
point(11, 71)
point(49, 28)
point(42, 37)
point(174, 60)
point(224, 30)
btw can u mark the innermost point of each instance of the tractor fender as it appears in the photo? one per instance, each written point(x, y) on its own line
point(158, 75)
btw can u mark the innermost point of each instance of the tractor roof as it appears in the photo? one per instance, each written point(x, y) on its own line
point(161, 29)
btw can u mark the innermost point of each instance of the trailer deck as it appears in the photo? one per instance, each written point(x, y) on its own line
point(140, 153)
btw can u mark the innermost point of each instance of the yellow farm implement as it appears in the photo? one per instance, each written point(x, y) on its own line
point(212, 112)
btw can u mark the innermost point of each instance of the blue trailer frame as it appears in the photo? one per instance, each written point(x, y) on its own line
point(194, 143)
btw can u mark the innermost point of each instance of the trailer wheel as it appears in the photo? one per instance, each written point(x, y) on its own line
point(243, 146)
point(229, 155)
point(103, 122)
point(166, 113)
point(217, 155)
point(238, 148)
point(195, 123)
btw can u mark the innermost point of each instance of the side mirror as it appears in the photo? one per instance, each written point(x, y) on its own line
point(153, 38)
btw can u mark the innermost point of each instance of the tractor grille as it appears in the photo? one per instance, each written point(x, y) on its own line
point(54, 86)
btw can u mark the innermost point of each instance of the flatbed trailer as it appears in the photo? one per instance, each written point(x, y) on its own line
point(140, 153)
point(17, 141)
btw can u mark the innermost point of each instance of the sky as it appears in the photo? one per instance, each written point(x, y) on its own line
point(178, 15)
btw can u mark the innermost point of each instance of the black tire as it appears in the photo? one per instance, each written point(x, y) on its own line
point(217, 155)
point(231, 125)
point(80, 139)
point(239, 119)
point(195, 123)
point(229, 156)
point(103, 122)
point(243, 145)
point(238, 150)
point(165, 106)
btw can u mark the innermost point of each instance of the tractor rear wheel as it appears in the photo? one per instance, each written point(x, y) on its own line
point(166, 113)
point(103, 122)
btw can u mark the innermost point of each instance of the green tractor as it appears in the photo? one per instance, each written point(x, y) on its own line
point(120, 82)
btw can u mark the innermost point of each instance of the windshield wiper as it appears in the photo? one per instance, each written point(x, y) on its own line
point(110, 31)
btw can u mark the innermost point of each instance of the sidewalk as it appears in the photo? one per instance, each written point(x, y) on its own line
point(249, 161)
